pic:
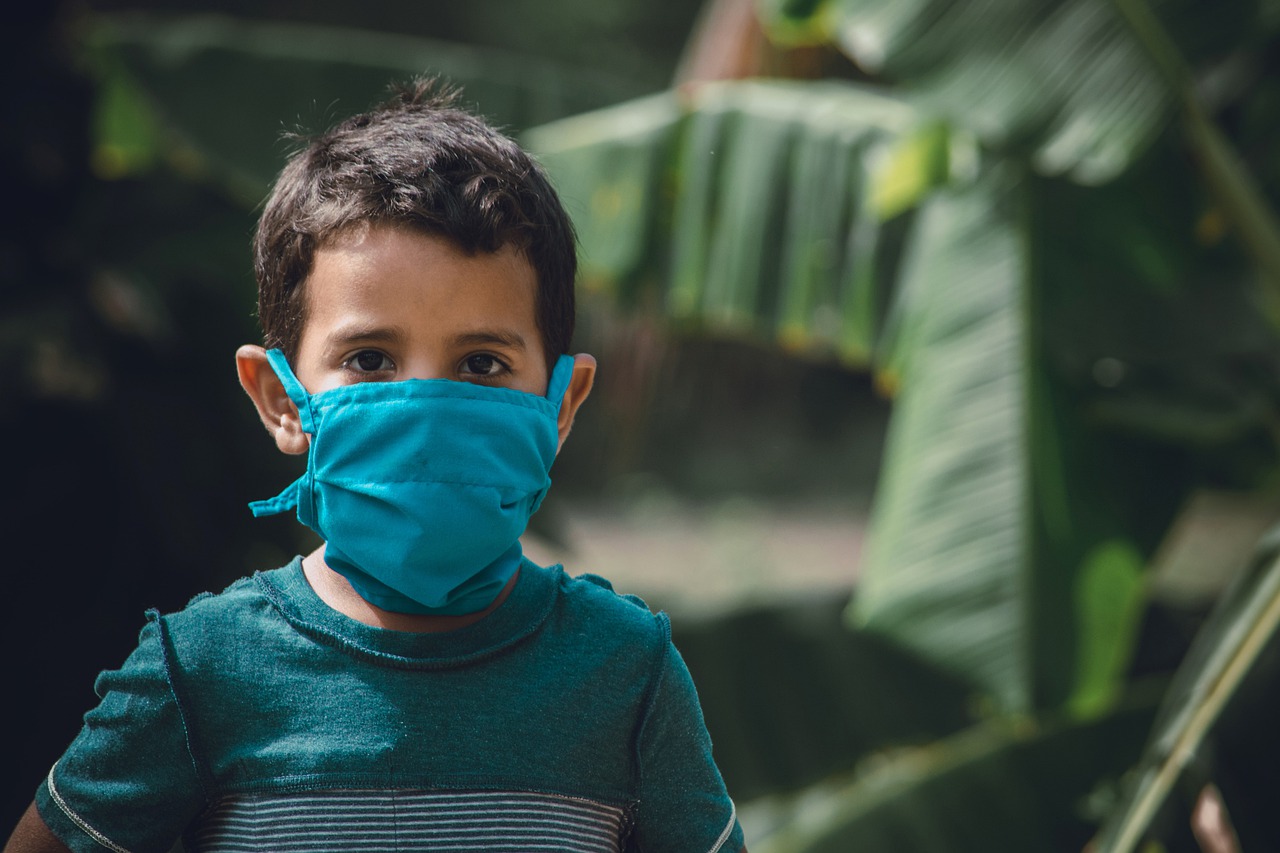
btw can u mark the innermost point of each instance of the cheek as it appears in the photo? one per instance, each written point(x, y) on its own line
point(314, 375)
point(534, 381)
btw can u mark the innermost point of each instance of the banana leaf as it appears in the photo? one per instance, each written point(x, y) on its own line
point(1066, 81)
point(948, 570)
point(1075, 88)
point(612, 171)
point(761, 209)
point(808, 214)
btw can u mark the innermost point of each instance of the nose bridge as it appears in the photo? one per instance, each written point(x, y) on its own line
point(427, 361)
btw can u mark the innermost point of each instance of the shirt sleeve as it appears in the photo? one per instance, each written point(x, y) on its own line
point(683, 804)
point(128, 780)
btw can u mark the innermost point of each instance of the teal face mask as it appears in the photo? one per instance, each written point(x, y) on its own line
point(422, 488)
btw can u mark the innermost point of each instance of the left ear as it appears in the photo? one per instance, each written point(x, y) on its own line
point(584, 376)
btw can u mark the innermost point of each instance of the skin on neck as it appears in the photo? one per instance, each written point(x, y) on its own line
point(337, 592)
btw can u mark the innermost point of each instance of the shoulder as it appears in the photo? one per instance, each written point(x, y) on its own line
point(598, 588)
point(593, 598)
point(211, 621)
point(241, 595)
point(619, 630)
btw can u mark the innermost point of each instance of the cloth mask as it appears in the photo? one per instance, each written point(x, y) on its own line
point(421, 488)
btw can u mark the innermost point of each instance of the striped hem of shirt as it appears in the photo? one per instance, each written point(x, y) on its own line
point(374, 821)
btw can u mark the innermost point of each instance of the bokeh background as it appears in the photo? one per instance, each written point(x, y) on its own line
point(938, 385)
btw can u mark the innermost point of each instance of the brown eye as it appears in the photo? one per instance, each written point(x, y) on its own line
point(483, 364)
point(369, 361)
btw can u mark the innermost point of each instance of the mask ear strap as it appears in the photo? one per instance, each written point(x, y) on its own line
point(283, 502)
point(560, 378)
point(293, 388)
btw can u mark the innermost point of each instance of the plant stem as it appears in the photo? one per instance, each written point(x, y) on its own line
point(1154, 793)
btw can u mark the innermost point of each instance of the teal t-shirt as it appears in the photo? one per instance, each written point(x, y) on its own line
point(260, 718)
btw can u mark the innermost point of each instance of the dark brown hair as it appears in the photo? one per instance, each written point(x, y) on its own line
point(418, 161)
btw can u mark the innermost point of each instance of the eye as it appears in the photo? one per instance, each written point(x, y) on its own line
point(483, 365)
point(369, 361)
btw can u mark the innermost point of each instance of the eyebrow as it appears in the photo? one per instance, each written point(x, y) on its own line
point(346, 336)
point(356, 334)
point(482, 337)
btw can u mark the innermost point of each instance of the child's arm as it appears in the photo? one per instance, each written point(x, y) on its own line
point(32, 836)
point(129, 779)
point(682, 795)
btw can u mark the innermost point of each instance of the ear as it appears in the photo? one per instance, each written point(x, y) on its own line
point(278, 413)
point(584, 376)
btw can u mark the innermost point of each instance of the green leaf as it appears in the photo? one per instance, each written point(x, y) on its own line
point(1081, 88)
point(611, 169)
point(994, 787)
point(742, 261)
point(198, 70)
point(947, 571)
point(1067, 80)
point(693, 219)
point(797, 22)
point(917, 164)
point(1109, 599)
point(756, 220)
point(872, 250)
point(125, 133)
point(1226, 648)
point(825, 188)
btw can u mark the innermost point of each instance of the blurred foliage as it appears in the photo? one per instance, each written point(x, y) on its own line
point(817, 674)
point(169, 84)
point(1041, 229)
point(1231, 669)
point(994, 787)
point(982, 304)
point(1046, 231)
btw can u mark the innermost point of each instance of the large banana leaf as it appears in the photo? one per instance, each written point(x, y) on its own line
point(948, 568)
point(763, 209)
point(983, 554)
point(1068, 81)
point(1077, 88)
point(783, 211)
point(612, 170)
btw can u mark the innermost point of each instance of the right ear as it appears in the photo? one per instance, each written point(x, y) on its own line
point(278, 413)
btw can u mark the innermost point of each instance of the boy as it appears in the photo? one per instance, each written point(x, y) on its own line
point(414, 683)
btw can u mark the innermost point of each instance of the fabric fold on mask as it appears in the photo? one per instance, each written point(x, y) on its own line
point(421, 488)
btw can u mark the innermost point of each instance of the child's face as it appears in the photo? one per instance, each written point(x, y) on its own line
point(386, 303)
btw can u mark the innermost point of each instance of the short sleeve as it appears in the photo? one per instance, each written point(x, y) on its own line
point(128, 781)
point(683, 804)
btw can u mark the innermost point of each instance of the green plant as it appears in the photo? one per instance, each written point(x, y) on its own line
point(1028, 222)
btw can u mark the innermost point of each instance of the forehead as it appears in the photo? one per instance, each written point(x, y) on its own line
point(424, 280)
